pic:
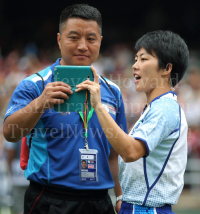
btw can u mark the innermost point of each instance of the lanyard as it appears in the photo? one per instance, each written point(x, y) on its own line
point(85, 116)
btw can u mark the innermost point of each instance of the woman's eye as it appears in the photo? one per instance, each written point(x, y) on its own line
point(143, 59)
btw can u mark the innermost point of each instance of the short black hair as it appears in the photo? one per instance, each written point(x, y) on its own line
point(82, 11)
point(169, 47)
point(83, 161)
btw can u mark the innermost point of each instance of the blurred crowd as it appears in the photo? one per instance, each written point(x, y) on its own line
point(115, 63)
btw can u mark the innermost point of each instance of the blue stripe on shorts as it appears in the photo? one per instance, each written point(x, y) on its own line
point(127, 208)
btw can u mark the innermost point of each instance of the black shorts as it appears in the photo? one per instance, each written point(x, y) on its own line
point(41, 199)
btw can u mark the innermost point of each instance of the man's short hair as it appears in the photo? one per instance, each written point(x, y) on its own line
point(169, 47)
point(82, 11)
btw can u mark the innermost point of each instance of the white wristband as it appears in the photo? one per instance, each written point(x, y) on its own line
point(119, 198)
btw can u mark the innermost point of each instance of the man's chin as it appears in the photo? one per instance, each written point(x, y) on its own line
point(82, 63)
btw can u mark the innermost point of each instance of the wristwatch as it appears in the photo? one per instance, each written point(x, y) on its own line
point(119, 198)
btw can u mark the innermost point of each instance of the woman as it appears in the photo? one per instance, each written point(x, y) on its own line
point(154, 154)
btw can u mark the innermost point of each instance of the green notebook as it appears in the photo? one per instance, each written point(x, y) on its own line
point(73, 75)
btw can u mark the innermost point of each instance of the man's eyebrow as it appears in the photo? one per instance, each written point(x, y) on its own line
point(77, 33)
point(73, 32)
point(92, 34)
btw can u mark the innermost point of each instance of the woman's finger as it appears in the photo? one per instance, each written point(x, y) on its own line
point(83, 86)
point(96, 77)
point(88, 82)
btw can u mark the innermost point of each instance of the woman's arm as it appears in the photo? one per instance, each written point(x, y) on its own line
point(127, 147)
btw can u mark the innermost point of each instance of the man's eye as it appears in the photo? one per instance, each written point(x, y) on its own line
point(91, 39)
point(73, 37)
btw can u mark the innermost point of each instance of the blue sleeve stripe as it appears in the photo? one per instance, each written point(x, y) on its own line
point(145, 142)
point(145, 172)
point(175, 130)
point(37, 78)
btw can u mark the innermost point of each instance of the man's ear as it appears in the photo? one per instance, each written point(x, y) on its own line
point(59, 39)
point(167, 70)
point(101, 39)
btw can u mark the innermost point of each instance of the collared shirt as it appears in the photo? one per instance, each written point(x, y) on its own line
point(54, 153)
point(157, 179)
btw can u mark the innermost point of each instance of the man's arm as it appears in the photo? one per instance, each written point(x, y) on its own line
point(19, 124)
point(113, 161)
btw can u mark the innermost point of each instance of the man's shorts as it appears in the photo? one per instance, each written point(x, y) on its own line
point(40, 199)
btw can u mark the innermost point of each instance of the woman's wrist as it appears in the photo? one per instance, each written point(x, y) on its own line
point(119, 198)
point(98, 108)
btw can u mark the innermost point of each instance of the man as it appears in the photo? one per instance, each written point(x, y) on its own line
point(57, 184)
point(84, 165)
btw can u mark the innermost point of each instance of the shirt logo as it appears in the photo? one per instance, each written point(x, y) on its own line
point(64, 113)
point(9, 110)
point(136, 127)
point(109, 108)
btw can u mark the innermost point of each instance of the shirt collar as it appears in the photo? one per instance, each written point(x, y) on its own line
point(170, 94)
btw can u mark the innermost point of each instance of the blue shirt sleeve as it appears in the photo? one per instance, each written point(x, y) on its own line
point(121, 117)
point(25, 92)
point(162, 119)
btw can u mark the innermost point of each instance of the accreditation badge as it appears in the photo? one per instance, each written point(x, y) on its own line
point(88, 165)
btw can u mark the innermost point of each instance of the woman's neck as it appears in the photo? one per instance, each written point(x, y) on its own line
point(157, 92)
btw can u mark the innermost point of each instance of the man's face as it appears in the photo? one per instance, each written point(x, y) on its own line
point(83, 165)
point(79, 42)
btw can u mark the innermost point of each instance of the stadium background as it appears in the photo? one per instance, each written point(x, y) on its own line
point(28, 44)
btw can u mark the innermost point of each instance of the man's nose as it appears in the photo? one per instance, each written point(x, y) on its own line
point(82, 45)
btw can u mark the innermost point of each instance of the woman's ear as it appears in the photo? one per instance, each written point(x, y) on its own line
point(167, 70)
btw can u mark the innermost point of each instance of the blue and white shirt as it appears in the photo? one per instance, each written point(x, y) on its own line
point(157, 179)
point(54, 153)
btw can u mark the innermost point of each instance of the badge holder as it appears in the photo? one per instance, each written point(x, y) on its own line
point(88, 157)
point(88, 165)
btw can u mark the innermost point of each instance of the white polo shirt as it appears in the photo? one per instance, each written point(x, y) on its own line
point(157, 179)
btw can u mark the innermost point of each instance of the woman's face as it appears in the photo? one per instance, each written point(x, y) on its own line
point(146, 72)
